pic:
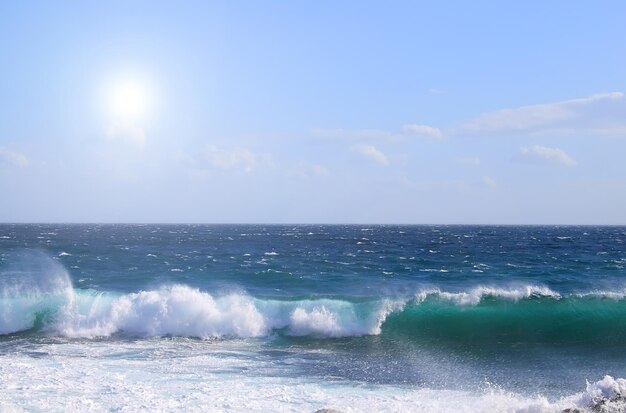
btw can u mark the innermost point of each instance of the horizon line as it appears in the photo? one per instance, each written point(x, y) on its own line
point(311, 224)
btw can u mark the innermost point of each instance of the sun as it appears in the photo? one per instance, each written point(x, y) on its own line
point(129, 100)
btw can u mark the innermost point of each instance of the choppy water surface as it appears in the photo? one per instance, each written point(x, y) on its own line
point(295, 318)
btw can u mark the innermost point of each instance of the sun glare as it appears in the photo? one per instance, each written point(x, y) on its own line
point(129, 100)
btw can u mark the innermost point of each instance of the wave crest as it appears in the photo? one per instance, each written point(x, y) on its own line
point(180, 310)
point(174, 310)
point(478, 294)
point(39, 295)
point(606, 395)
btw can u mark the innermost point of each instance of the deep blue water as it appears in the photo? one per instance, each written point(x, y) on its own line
point(327, 260)
point(532, 310)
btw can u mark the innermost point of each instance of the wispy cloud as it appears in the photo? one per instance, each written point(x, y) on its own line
point(372, 153)
point(406, 133)
point(469, 161)
point(307, 170)
point(126, 131)
point(422, 131)
point(355, 135)
point(542, 155)
point(488, 182)
point(602, 113)
point(12, 158)
point(236, 158)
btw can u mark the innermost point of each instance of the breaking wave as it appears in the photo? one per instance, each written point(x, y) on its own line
point(31, 291)
point(40, 297)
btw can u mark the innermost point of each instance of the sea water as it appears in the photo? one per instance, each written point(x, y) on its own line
point(298, 318)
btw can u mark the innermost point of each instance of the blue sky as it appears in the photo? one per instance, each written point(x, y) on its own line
point(324, 112)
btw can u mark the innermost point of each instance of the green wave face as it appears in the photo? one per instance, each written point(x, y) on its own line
point(540, 320)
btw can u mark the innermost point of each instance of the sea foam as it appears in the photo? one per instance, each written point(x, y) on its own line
point(172, 310)
point(180, 310)
point(202, 379)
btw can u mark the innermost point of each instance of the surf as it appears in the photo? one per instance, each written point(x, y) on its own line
point(36, 294)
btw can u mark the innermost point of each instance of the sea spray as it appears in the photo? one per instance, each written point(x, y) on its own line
point(32, 291)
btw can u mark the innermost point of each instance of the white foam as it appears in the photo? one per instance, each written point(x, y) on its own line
point(606, 395)
point(95, 376)
point(333, 318)
point(613, 295)
point(180, 310)
point(317, 321)
point(174, 310)
point(477, 294)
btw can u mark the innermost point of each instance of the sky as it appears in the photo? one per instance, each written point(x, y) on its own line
point(439, 112)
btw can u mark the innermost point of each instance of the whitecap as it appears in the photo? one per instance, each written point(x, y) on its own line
point(477, 294)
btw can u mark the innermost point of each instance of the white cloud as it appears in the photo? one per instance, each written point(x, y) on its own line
point(600, 114)
point(307, 170)
point(12, 157)
point(183, 158)
point(423, 130)
point(126, 131)
point(603, 114)
point(372, 153)
point(320, 170)
point(544, 156)
point(236, 158)
point(407, 132)
point(489, 182)
point(354, 134)
point(470, 161)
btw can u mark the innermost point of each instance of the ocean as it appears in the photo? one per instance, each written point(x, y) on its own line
point(296, 318)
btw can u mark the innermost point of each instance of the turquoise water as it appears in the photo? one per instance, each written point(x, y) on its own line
point(363, 318)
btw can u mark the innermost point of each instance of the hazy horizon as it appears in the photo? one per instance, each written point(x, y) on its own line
point(350, 224)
